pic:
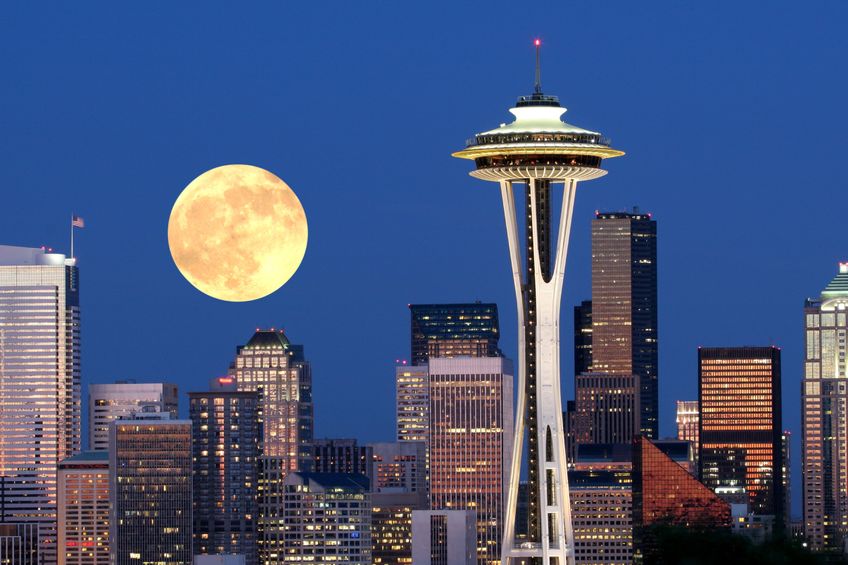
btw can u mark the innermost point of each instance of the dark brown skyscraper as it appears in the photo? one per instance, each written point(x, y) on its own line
point(740, 428)
point(624, 304)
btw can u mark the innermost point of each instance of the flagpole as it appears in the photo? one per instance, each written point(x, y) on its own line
point(72, 236)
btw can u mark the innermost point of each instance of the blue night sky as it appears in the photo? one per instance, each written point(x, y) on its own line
point(732, 116)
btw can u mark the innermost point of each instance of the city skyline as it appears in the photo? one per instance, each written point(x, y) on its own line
point(703, 270)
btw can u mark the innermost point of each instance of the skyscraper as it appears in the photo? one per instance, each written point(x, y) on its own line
point(122, 399)
point(624, 304)
point(83, 483)
point(150, 481)
point(536, 151)
point(471, 441)
point(39, 385)
point(607, 408)
point(824, 404)
point(453, 330)
point(327, 518)
point(687, 423)
point(740, 426)
point(226, 437)
point(272, 366)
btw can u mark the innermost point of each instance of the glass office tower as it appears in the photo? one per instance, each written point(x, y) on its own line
point(39, 385)
point(624, 304)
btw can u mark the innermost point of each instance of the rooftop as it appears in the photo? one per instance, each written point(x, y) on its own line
point(11, 255)
point(269, 338)
point(330, 480)
point(839, 285)
point(86, 459)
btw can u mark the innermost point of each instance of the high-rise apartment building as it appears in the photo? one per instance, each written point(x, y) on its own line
point(412, 388)
point(278, 371)
point(342, 455)
point(687, 423)
point(327, 518)
point(624, 304)
point(83, 483)
point(39, 385)
point(471, 441)
point(453, 330)
point(824, 404)
point(226, 437)
point(150, 481)
point(444, 537)
point(607, 408)
point(740, 426)
point(124, 399)
point(398, 487)
point(665, 493)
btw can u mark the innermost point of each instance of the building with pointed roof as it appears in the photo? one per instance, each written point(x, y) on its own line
point(270, 365)
point(824, 408)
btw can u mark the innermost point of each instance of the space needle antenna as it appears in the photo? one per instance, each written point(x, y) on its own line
point(538, 86)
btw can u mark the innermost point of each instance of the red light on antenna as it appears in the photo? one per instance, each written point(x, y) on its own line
point(537, 42)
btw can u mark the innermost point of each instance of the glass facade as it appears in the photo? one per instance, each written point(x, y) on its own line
point(342, 456)
point(624, 304)
point(39, 384)
point(824, 405)
point(453, 330)
point(740, 427)
point(665, 493)
point(226, 437)
point(150, 470)
point(471, 424)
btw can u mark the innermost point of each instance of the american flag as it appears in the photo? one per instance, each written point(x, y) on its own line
point(77, 222)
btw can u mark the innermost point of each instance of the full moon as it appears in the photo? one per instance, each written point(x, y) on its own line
point(237, 233)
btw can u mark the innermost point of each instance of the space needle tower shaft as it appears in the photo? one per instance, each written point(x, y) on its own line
point(533, 154)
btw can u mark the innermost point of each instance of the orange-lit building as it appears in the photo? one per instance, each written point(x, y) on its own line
point(740, 426)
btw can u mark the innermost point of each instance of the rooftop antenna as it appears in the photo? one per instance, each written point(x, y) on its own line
point(538, 43)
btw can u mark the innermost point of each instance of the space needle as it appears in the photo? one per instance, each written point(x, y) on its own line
point(535, 152)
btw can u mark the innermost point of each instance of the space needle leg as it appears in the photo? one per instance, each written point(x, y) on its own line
point(508, 197)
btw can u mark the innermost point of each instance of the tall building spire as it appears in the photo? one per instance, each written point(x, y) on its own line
point(538, 86)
